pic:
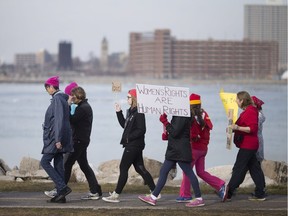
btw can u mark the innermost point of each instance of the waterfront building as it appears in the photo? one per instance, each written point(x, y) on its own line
point(268, 23)
point(158, 54)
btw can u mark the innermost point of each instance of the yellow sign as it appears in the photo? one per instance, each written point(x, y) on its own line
point(229, 102)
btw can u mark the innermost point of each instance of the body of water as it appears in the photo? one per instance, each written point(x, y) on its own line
point(23, 108)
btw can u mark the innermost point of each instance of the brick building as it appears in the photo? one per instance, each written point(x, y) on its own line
point(158, 54)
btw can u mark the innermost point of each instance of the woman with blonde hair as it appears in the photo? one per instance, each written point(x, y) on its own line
point(133, 143)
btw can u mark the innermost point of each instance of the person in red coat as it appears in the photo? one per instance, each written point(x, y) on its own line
point(199, 140)
point(246, 139)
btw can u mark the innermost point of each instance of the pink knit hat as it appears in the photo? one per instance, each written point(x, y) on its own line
point(54, 81)
point(69, 88)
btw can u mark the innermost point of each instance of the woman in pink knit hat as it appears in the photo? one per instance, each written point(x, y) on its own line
point(57, 138)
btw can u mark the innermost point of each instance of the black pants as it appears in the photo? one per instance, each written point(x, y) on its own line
point(133, 156)
point(80, 155)
point(246, 161)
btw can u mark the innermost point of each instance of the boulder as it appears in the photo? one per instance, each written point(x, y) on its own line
point(275, 170)
point(225, 172)
point(108, 172)
point(3, 167)
point(77, 175)
point(28, 164)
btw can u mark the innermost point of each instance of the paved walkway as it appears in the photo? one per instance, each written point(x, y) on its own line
point(130, 201)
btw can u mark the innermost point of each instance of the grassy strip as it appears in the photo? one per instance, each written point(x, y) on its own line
point(30, 186)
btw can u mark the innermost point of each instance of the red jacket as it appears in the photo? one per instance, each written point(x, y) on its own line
point(248, 118)
point(200, 136)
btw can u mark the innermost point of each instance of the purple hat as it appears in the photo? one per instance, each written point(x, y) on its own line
point(54, 81)
point(69, 88)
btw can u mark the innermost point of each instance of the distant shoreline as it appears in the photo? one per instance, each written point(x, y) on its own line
point(137, 79)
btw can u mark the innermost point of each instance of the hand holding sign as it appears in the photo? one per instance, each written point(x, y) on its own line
point(164, 120)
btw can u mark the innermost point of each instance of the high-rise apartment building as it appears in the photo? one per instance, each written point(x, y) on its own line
point(159, 54)
point(65, 56)
point(268, 23)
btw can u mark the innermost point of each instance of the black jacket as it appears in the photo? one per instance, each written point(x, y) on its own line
point(81, 123)
point(179, 148)
point(134, 128)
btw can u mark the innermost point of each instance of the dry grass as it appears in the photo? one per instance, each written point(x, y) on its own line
point(30, 186)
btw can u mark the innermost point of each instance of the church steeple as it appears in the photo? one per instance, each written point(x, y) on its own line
point(104, 55)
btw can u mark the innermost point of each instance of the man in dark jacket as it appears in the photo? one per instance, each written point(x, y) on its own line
point(57, 138)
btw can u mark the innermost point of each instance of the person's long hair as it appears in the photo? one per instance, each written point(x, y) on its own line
point(197, 111)
point(134, 102)
point(245, 96)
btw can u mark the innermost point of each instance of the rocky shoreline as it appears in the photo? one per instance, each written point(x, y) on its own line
point(30, 169)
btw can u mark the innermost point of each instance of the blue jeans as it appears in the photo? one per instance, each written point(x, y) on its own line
point(187, 169)
point(56, 173)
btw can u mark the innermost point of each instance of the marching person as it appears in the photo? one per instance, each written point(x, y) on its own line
point(81, 123)
point(178, 151)
point(199, 140)
point(246, 139)
point(68, 89)
point(261, 119)
point(133, 143)
point(57, 138)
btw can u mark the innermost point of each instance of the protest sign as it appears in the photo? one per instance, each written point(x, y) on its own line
point(231, 109)
point(116, 86)
point(154, 99)
point(229, 102)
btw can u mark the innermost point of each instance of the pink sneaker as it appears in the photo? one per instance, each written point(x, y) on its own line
point(195, 203)
point(147, 199)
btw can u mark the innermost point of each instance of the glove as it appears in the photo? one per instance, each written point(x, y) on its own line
point(164, 136)
point(73, 108)
point(163, 119)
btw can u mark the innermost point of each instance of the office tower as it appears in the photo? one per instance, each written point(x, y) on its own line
point(268, 23)
point(65, 56)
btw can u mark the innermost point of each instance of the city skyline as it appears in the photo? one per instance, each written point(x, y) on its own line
point(32, 25)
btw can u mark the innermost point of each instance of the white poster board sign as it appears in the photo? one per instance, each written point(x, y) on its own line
point(154, 99)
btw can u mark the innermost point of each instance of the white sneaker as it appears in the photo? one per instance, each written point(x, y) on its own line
point(51, 193)
point(157, 198)
point(91, 196)
point(114, 198)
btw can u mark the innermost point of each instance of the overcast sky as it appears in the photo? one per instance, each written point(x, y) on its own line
point(32, 25)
